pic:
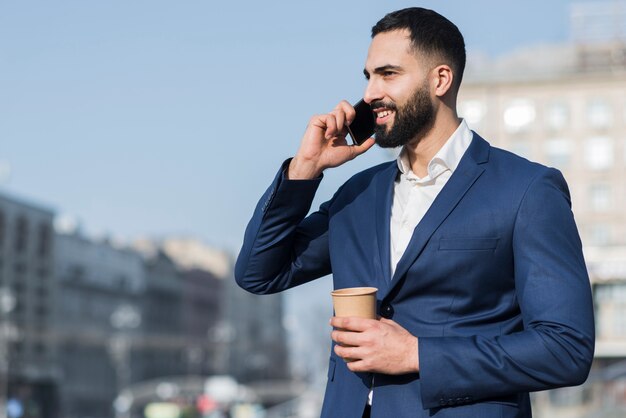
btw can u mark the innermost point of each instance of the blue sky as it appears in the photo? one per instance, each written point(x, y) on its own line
point(160, 117)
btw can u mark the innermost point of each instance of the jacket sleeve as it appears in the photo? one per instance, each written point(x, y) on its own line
point(554, 296)
point(282, 247)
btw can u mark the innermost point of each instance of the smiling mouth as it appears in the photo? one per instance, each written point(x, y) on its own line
point(383, 115)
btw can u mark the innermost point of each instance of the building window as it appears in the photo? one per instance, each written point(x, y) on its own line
point(21, 234)
point(557, 116)
point(519, 115)
point(42, 272)
point(76, 273)
point(599, 153)
point(41, 310)
point(473, 111)
point(19, 268)
point(570, 396)
point(610, 302)
point(558, 152)
point(2, 228)
point(600, 234)
point(599, 113)
point(45, 240)
point(600, 197)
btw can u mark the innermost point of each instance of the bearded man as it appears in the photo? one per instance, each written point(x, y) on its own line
point(483, 290)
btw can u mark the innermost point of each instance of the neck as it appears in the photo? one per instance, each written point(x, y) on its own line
point(421, 150)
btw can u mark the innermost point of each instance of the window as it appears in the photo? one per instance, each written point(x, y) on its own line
point(519, 115)
point(600, 197)
point(599, 113)
point(599, 153)
point(600, 234)
point(2, 228)
point(42, 272)
point(610, 302)
point(473, 111)
point(41, 310)
point(570, 396)
point(21, 233)
point(558, 152)
point(557, 116)
point(45, 240)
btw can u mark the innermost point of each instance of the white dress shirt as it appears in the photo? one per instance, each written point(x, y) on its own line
point(412, 196)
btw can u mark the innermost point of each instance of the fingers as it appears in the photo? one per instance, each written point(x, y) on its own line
point(347, 338)
point(352, 323)
point(338, 118)
point(347, 111)
point(350, 338)
point(360, 149)
point(349, 353)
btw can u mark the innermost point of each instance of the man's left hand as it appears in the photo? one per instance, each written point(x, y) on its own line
point(370, 345)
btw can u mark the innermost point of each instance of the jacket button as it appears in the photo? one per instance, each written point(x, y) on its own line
point(386, 310)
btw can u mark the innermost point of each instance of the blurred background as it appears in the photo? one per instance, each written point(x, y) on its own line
point(136, 138)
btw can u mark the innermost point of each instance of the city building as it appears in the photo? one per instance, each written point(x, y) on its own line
point(565, 106)
point(98, 323)
point(28, 353)
point(247, 333)
point(182, 306)
point(254, 327)
point(203, 299)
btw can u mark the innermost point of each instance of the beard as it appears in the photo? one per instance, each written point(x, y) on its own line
point(412, 121)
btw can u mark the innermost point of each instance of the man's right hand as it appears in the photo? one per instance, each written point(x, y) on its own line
point(324, 144)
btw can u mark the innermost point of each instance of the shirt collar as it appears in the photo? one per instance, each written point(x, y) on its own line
point(447, 158)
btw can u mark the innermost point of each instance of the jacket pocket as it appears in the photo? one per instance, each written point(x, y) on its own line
point(468, 244)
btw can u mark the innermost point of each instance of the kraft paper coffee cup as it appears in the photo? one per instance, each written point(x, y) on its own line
point(355, 301)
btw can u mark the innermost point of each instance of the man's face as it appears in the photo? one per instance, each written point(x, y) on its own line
point(398, 90)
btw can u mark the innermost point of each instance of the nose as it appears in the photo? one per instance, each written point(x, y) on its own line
point(372, 91)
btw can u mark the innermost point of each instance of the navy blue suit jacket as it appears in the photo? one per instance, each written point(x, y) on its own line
point(493, 283)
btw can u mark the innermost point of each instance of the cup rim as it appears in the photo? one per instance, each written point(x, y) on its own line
point(354, 291)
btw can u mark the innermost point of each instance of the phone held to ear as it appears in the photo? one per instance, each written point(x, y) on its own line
point(364, 123)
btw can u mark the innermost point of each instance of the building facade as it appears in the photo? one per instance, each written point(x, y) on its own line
point(572, 117)
point(565, 106)
point(84, 320)
point(28, 347)
point(98, 323)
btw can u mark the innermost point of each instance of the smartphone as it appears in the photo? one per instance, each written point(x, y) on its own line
point(364, 123)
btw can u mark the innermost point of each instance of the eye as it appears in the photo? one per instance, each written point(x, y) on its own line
point(388, 73)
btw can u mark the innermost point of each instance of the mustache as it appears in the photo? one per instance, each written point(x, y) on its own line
point(386, 105)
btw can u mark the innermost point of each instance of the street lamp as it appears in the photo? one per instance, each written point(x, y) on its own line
point(7, 333)
point(124, 319)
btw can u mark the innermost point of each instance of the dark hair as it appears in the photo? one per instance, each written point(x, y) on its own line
point(430, 33)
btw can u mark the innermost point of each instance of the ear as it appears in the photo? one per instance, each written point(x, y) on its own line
point(443, 77)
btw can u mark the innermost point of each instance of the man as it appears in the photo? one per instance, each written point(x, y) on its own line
point(483, 290)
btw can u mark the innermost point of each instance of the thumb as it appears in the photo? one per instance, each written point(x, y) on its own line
point(366, 145)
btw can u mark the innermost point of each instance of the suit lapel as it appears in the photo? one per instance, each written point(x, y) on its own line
point(460, 182)
point(384, 196)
